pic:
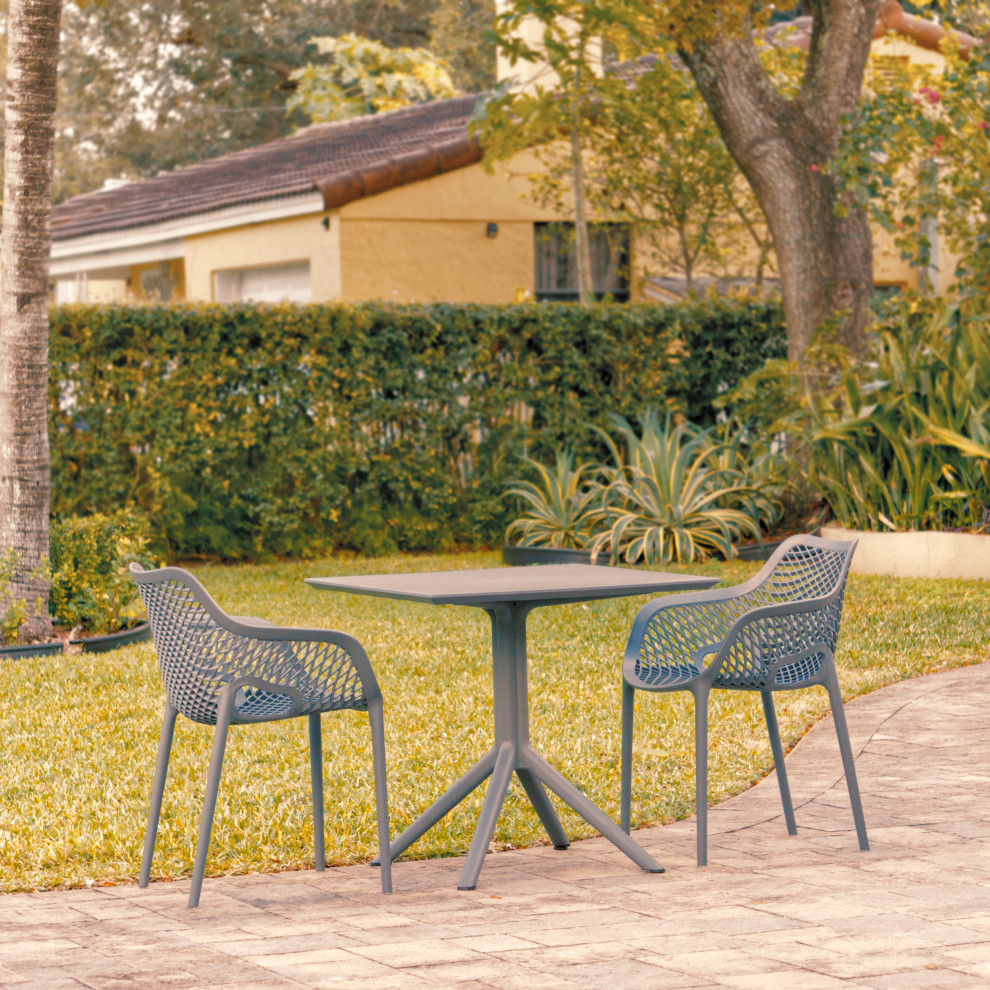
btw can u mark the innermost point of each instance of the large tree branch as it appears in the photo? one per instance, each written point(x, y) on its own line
point(841, 33)
point(783, 147)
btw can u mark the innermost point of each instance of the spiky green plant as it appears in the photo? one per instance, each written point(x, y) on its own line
point(897, 444)
point(668, 497)
point(562, 507)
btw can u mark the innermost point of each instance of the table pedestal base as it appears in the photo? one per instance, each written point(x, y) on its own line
point(512, 753)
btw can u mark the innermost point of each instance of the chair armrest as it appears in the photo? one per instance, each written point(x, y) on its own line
point(682, 626)
point(303, 661)
point(251, 620)
point(772, 636)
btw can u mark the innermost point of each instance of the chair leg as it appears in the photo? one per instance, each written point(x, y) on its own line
point(376, 717)
point(625, 800)
point(778, 760)
point(701, 770)
point(316, 776)
point(157, 790)
point(210, 798)
point(845, 748)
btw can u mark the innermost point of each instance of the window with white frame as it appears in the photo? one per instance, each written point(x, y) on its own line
point(265, 283)
point(72, 290)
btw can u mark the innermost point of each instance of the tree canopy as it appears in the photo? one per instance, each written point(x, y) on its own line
point(365, 76)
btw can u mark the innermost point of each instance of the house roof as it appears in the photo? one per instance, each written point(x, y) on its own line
point(344, 161)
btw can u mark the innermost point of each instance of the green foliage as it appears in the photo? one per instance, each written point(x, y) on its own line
point(561, 509)
point(90, 586)
point(657, 159)
point(77, 769)
point(459, 35)
point(14, 610)
point(916, 153)
point(672, 497)
point(900, 441)
point(671, 492)
point(250, 431)
point(365, 76)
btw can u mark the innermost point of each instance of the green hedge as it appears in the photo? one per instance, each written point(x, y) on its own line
point(248, 431)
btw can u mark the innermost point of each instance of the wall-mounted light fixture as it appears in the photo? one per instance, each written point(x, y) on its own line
point(491, 230)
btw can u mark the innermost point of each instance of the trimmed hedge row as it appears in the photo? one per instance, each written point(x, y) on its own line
point(252, 431)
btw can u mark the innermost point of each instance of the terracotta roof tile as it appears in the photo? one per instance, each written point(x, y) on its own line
point(344, 160)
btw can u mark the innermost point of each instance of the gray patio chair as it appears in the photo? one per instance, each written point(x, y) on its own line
point(776, 632)
point(224, 670)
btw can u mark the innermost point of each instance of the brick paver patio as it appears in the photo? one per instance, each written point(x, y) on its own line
point(771, 911)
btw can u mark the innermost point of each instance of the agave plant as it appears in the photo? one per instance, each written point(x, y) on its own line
point(767, 475)
point(562, 507)
point(669, 498)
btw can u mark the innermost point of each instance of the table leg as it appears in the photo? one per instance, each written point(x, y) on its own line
point(485, 829)
point(447, 801)
point(541, 803)
point(512, 752)
point(593, 815)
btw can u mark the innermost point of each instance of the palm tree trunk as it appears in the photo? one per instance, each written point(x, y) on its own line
point(25, 247)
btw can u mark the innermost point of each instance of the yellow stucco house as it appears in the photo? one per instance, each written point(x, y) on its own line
point(394, 206)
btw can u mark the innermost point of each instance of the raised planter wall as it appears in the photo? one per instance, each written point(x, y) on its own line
point(520, 556)
point(921, 554)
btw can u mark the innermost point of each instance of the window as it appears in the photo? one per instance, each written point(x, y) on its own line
point(556, 261)
point(72, 290)
point(886, 291)
point(271, 283)
point(157, 282)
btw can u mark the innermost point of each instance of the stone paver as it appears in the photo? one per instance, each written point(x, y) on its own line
point(808, 912)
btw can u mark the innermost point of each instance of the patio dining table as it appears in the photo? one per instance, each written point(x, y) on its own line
point(508, 595)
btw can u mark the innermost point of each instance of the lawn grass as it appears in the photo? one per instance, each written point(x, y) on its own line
point(78, 733)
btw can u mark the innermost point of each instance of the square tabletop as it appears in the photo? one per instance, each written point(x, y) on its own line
point(486, 586)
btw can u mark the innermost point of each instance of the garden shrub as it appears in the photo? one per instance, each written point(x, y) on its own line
point(247, 431)
point(90, 586)
point(896, 441)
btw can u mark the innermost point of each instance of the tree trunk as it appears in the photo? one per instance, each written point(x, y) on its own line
point(783, 147)
point(582, 247)
point(25, 247)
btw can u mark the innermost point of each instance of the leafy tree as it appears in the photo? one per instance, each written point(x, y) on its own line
point(365, 76)
point(552, 106)
point(25, 477)
point(781, 132)
point(459, 34)
point(658, 160)
point(783, 143)
point(918, 157)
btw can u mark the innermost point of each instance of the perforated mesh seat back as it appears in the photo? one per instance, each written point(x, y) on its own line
point(198, 656)
point(782, 649)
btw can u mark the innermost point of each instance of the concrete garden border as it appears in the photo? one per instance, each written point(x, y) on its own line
point(924, 554)
point(140, 633)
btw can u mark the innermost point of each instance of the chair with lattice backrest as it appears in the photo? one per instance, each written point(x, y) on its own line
point(224, 670)
point(776, 632)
